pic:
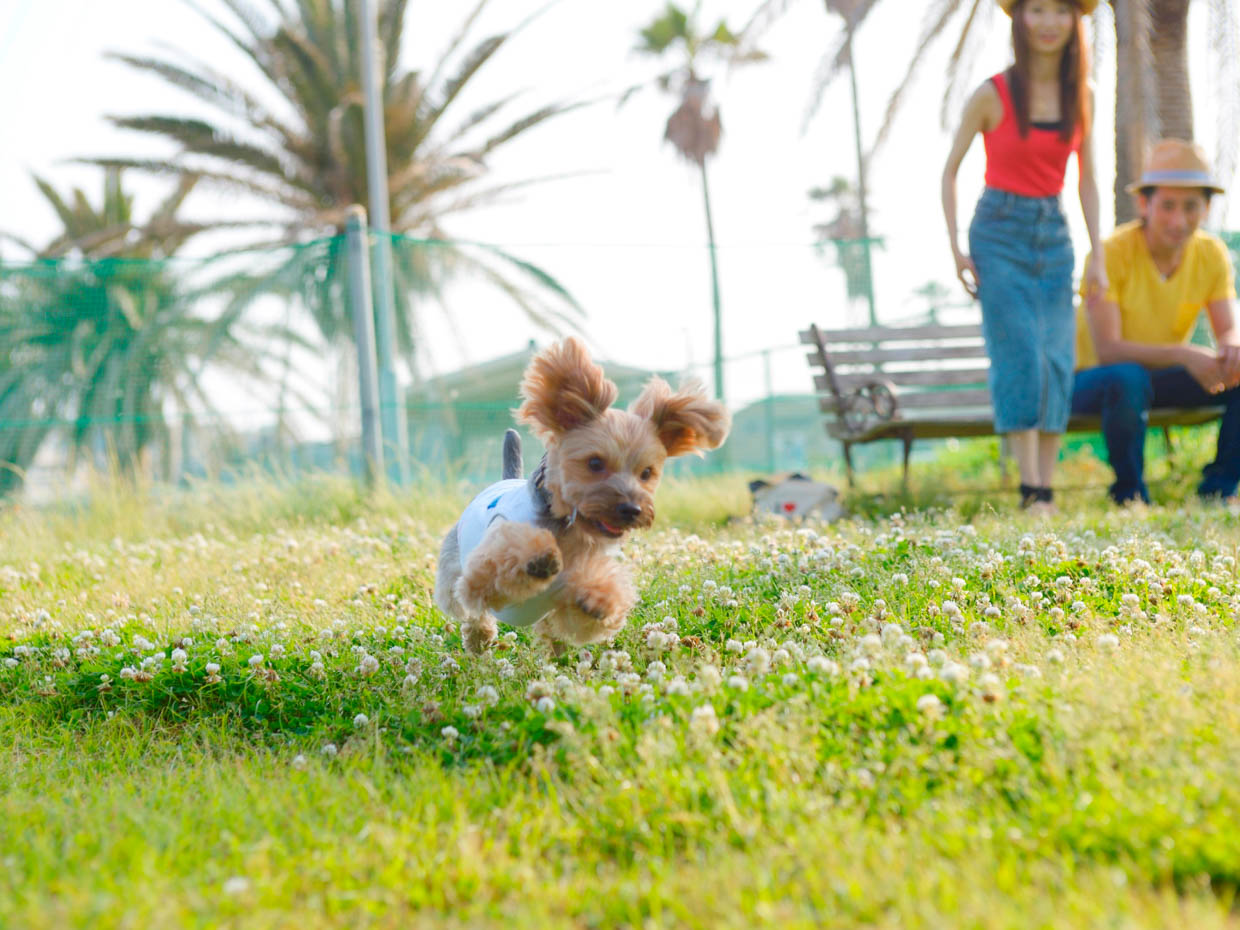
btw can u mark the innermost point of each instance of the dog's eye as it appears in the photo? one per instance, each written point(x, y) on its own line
point(646, 473)
point(596, 464)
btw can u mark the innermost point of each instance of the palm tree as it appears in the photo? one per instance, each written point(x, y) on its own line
point(308, 158)
point(847, 234)
point(695, 128)
point(1153, 98)
point(100, 333)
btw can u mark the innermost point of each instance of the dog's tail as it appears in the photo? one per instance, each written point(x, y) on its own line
point(512, 455)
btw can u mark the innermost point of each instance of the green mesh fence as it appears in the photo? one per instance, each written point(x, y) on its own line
point(177, 368)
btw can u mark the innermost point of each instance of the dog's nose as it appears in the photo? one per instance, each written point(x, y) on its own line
point(628, 511)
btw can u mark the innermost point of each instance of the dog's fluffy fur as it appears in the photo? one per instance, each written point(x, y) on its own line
point(600, 472)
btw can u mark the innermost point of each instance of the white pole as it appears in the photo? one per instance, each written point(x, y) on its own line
point(362, 311)
point(392, 410)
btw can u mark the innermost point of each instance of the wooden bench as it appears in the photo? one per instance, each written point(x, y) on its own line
point(922, 382)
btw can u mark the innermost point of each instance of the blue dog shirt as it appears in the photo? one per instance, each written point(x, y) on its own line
point(514, 500)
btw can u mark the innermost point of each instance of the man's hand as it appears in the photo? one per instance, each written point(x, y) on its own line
point(1206, 369)
point(1229, 363)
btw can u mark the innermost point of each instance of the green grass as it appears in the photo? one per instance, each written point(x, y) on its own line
point(955, 717)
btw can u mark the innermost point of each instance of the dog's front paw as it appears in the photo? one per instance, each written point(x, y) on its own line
point(543, 566)
point(596, 605)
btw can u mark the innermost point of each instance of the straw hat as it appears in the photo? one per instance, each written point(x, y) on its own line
point(1087, 6)
point(1176, 163)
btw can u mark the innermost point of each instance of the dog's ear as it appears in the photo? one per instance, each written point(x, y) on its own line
point(686, 420)
point(563, 389)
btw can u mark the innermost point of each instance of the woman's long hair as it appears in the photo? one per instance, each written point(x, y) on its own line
point(1073, 77)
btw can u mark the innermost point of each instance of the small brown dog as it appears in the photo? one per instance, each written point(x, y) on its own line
point(538, 551)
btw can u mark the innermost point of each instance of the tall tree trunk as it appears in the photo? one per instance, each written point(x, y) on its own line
point(1169, 50)
point(1134, 111)
point(714, 284)
point(1153, 98)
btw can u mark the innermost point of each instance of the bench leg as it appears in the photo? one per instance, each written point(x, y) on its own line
point(848, 465)
point(1170, 448)
point(907, 438)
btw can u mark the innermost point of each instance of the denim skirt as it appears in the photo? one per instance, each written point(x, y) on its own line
point(1023, 255)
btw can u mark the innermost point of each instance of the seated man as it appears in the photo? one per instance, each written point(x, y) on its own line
point(1133, 351)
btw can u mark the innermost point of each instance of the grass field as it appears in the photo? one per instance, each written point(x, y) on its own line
point(237, 708)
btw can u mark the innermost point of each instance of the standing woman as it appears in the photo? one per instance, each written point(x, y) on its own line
point(1032, 117)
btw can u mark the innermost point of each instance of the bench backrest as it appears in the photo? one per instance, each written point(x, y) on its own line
point(934, 368)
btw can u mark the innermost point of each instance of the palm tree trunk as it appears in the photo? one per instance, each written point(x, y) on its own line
point(1169, 50)
point(1135, 114)
point(714, 282)
point(1153, 98)
point(861, 191)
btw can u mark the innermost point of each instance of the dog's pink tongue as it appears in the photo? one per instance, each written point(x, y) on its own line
point(608, 527)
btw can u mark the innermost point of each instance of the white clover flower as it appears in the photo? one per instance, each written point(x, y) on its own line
point(255, 660)
point(954, 673)
point(791, 680)
point(299, 762)
point(488, 695)
point(1054, 656)
point(709, 676)
point(537, 689)
point(330, 750)
point(276, 651)
point(930, 705)
point(1108, 641)
point(317, 670)
point(757, 661)
point(738, 683)
point(704, 720)
point(544, 705)
point(900, 578)
point(368, 665)
point(915, 660)
point(821, 665)
point(108, 638)
point(937, 657)
point(237, 885)
point(360, 721)
point(734, 645)
point(677, 686)
point(892, 631)
point(991, 685)
point(213, 673)
point(872, 643)
point(142, 643)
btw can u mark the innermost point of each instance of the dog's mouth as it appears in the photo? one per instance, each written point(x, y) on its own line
point(606, 529)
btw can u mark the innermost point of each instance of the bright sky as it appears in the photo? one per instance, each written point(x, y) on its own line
point(627, 237)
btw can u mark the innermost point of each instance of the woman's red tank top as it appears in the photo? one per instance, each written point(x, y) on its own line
point(1033, 166)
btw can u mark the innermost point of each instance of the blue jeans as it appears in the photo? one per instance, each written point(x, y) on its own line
point(1124, 393)
point(1023, 255)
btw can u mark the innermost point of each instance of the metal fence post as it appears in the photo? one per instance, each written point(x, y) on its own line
point(392, 407)
point(361, 308)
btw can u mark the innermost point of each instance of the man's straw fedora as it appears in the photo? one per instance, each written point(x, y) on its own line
point(1176, 163)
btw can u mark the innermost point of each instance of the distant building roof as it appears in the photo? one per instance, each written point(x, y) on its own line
point(497, 380)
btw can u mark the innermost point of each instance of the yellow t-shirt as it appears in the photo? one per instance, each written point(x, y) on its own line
point(1151, 310)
